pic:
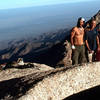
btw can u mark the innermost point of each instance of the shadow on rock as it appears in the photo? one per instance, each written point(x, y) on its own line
point(90, 94)
point(14, 88)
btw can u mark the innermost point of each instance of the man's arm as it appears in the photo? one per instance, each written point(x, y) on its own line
point(72, 36)
point(86, 40)
point(98, 46)
point(97, 39)
point(87, 45)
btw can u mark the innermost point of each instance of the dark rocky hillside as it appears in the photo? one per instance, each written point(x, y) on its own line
point(43, 49)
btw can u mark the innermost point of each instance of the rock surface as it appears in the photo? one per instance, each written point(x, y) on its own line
point(66, 61)
point(20, 71)
point(53, 84)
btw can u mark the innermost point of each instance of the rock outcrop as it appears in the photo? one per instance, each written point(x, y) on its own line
point(54, 84)
point(96, 17)
point(20, 71)
point(66, 60)
point(39, 49)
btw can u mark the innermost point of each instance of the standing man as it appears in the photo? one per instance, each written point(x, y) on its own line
point(77, 42)
point(91, 40)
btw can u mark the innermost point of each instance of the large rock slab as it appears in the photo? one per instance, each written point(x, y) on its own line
point(54, 84)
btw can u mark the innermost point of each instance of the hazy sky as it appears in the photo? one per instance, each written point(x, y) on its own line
point(6, 4)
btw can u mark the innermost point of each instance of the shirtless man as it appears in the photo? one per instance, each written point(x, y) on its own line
point(77, 42)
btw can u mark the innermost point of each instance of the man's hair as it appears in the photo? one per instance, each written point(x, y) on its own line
point(92, 21)
point(78, 22)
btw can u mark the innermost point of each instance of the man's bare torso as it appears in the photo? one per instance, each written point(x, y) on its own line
point(78, 37)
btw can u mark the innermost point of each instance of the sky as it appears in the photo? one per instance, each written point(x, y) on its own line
point(8, 4)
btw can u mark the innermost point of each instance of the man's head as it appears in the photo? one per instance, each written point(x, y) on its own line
point(93, 23)
point(80, 22)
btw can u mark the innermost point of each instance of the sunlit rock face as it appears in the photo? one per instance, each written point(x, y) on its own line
point(65, 82)
point(97, 17)
point(50, 84)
